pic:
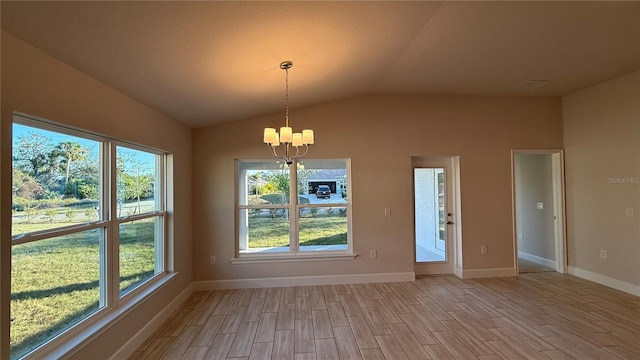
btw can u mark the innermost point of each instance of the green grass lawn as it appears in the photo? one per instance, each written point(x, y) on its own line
point(23, 227)
point(264, 231)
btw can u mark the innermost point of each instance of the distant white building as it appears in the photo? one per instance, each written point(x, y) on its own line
point(336, 179)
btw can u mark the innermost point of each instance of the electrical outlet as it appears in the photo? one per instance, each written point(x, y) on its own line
point(212, 259)
point(603, 254)
point(629, 212)
point(483, 249)
point(373, 254)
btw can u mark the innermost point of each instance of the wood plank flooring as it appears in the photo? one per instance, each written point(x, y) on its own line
point(534, 316)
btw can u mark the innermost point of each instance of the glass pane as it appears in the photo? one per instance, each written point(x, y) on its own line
point(323, 229)
point(263, 230)
point(140, 252)
point(263, 183)
point(429, 199)
point(56, 179)
point(137, 179)
point(322, 181)
point(440, 244)
point(55, 283)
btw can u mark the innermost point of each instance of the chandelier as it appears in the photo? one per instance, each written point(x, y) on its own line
point(286, 137)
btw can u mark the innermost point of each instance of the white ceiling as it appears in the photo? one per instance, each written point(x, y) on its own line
point(207, 62)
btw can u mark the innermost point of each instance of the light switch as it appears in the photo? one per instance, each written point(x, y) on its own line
point(540, 206)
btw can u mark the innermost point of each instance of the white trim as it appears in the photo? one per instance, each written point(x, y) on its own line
point(537, 259)
point(38, 235)
point(605, 280)
point(302, 281)
point(451, 164)
point(241, 221)
point(287, 257)
point(559, 205)
point(457, 211)
point(559, 210)
point(483, 273)
point(154, 324)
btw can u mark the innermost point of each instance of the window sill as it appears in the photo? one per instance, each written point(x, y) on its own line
point(281, 258)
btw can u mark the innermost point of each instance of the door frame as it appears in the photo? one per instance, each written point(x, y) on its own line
point(559, 206)
point(453, 265)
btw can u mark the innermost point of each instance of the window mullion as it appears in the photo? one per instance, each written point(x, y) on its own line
point(112, 242)
point(294, 243)
point(161, 228)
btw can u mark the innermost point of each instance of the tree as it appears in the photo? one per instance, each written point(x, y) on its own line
point(31, 153)
point(281, 183)
point(137, 186)
point(303, 177)
point(25, 186)
point(84, 178)
point(71, 151)
point(135, 181)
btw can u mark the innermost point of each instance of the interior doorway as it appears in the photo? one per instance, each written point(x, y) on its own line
point(435, 189)
point(538, 207)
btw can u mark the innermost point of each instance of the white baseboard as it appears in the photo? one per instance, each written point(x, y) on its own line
point(605, 280)
point(134, 343)
point(482, 273)
point(302, 281)
point(537, 259)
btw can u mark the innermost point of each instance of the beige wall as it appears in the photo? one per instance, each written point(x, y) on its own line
point(39, 85)
point(602, 147)
point(380, 134)
point(534, 184)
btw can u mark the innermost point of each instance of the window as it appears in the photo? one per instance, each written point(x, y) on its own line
point(66, 244)
point(140, 216)
point(302, 209)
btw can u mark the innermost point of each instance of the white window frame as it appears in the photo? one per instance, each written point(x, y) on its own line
point(161, 212)
point(112, 304)
point(294, 253)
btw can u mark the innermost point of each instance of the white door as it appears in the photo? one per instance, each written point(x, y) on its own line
point(433, 217)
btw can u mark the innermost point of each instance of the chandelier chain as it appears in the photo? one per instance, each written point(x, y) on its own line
point(286, 96)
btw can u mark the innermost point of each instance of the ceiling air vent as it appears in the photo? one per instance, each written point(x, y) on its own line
point(529, 85)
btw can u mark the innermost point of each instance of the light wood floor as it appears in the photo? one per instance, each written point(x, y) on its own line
point(535, 316)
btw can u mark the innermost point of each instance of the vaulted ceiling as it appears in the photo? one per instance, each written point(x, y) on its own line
point(207, 62)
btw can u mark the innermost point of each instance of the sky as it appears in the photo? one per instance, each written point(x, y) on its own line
point(20, 130)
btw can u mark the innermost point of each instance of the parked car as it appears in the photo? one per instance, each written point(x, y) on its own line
point(323, 192)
